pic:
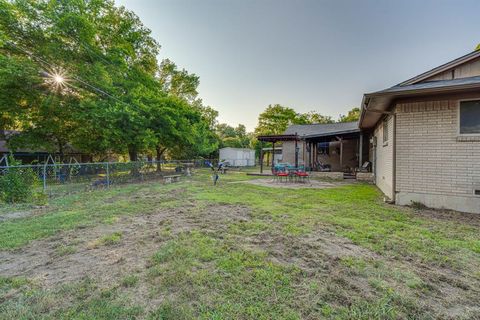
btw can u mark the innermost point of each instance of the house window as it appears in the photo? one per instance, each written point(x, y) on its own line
point(470, 117)
point(385, 130)
point(324, 148)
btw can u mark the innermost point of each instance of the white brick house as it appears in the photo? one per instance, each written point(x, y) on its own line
point(426, 137)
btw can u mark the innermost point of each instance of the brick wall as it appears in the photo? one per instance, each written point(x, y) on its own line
point(431, 157)
point(288, 152)
point(384, 158)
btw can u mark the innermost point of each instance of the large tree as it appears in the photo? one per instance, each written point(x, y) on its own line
point(178, 83)
point(277, 118)
point(313, 117)
point(115, 97)
point(352, 115)
point(235, 137)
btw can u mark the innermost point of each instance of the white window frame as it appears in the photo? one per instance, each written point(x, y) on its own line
point(458, 119)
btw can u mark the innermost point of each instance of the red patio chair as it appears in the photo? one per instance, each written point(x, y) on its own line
point(281, 174)
point(303, 176)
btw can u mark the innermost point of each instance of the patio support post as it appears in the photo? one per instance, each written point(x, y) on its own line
point(309, 150)
point(303, 154)
point(261, 156)
point(360, 151)
point(273, 155)
point(341, 154)
point(296, 152)
point(312, 150)
point(310, 157)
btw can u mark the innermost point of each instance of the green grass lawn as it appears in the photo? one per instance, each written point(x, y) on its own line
point(190, 250)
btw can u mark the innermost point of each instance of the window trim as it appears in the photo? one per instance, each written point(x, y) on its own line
point(458, 118)
point(385, 141)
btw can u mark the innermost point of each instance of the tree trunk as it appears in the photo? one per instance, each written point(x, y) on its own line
point(160, 152)
point(132, 153)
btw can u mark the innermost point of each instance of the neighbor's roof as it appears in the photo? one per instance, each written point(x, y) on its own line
point(7, 134)
point(238, 149)
point(322, 129)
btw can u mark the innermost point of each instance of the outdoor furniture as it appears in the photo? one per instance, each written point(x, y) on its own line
point(223, 170)
point(365, 167)
point(279, 167)
point(291, 173)
point(171, 178)
point(302, 175)
point(282, 175)
point(323, 167)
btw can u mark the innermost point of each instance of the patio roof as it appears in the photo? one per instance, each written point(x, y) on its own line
point(278, 137)
point(322, 129)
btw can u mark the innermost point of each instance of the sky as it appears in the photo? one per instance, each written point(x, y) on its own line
point(309, 55)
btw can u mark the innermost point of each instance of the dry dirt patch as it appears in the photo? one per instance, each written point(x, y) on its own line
point(141, 236)
point(472, 219)
point(321, 255)
point(22, 214)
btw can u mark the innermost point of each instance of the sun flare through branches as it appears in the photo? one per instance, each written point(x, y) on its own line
point(56, 79)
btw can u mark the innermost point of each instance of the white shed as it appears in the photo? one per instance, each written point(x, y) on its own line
point(237, 157)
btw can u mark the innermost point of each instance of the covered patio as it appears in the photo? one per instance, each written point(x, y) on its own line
point(338, 148)
point(273, 139)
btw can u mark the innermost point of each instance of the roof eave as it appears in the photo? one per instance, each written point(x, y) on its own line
point(391, 95)
point(336, 133)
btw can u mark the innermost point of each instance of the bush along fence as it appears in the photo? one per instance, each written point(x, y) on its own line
point(61, 178)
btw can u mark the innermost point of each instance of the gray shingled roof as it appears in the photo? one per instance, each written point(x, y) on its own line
point(433, 84)
point(320, 129)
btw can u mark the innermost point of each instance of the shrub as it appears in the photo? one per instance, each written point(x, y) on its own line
point(19, 184)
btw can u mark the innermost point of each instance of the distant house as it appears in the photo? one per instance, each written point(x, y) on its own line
point(237, 157)
point(37, 155)
point(426, 136)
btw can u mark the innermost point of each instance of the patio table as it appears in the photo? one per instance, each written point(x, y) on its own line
point(291, 173)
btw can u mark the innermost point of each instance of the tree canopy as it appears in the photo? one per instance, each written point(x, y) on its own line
point(235, 137)
point(115, 97)
point(352, 115)
point(276, 119)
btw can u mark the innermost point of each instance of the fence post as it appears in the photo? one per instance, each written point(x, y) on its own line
point(44, 178)
point(108, 176)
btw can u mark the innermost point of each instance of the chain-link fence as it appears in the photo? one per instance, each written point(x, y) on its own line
point(60, 178)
